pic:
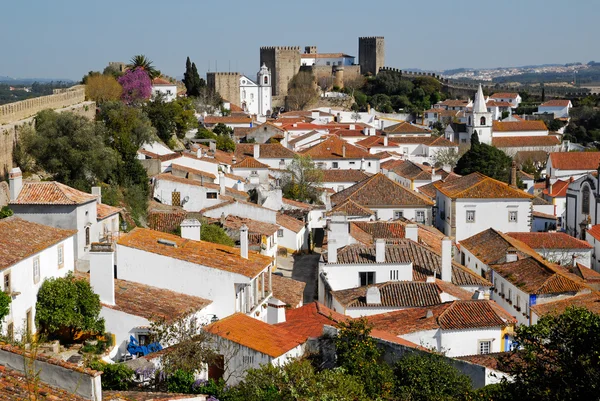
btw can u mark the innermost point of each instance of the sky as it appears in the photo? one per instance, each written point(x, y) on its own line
point(67, 38)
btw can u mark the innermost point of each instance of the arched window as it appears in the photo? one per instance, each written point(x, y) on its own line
point(243, 94)
point(482, 121)
point(266, 80)
point(585, 202)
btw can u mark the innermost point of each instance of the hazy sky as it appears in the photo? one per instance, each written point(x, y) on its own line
point(66, 38)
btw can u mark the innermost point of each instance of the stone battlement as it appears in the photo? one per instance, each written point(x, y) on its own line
point(370, 37)
point(297, 48)
point(223, 73)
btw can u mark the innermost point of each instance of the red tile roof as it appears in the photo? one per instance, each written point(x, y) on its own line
point(51, 193)
point(267, 339)
point(490, 246)
point(556, 103)
point(525, 141)
point(575, 160)
point(16, 386)
point(350, 208)
point(296, 204)
point(288, 290)
point(267, 151)
point(216, 256)
point(394, 294)
point(333, 148)
point(21, 239)
point(406, 128)
point(103, 211)
point(390, 164)
point(234, 119)
point(493, 103)
point(375, 141)
point(559, 189)
point(543, 215)
point(595, 232)
point(525, 125)
point(454, 315)
point(249, 162)
point(479, 186)
point(335, 175)
point(166, 220)
point(550, 240)
point(254, 226)
point(413, 171)
point(289, 222)
point(161, 81)
point(308, 321)
point(193, 171)
point(590, 301)
point(504, 95)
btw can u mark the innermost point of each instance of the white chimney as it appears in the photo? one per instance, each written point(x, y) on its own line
point(16, 183)
point(256, 151)
point(339, 229)
point(244, 241)
point(327, 202)
point(511, 255)
point(239, 185)
point(314, 114)
point(98, 192)
point(447, 259)
point(380, 250)
point(213, 146)
point(221, 183)
point(190, 229)
point(332, 251)
point(373, 295)
point(199, 153)
point(344, 150)
point(385, 140)
point(411, 232)
point(352, 127)
point(102, 271)
point(362, 164)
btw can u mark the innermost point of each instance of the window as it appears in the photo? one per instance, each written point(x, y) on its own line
point(482, 121)
point(585, 203)
point(485, 347)
point(280, 232)
point(420, 216)
point(328, 63)
point(243, 94)
point(502, 290)
point(7, 288)
point(366, 278)
point(518, 303)
point(248, 359)
point(469, 120)
point(169, 92)
point(509, 299)
point(398, 214)
point(470, 216)
point(393, 275)
point(351, 163)
point(87, 236)
point(36, 270)
point(266, 80)
point(254, 172)
point(143, 339)
point(512, 216)
point(211, 195)
point(369, 164)
point(61, 253)
point(334, 164)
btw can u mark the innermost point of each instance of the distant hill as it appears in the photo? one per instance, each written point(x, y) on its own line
point(29, 81)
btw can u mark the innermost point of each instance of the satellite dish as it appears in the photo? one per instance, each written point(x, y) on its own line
point(185, 200)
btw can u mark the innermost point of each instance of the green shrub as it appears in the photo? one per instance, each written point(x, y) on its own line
point(116, 376)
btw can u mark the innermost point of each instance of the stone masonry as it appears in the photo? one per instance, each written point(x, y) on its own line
point(371, 54)
point(227, 84)
point(284, 63)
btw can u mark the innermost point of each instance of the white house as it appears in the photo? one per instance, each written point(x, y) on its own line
point(555, 193)
point(326, 59)
point(513, 98)
point(563, 165)
point(253, 171)
point(456, 328)
point(338, 180)
point(557, 247)
point(559, 107)
point(262, 237)
point(519, 128)
point(475, 202)
point(335, 153)
point(592, 236)
point(244, 343)
point(419, 149)
point(167, 89)
point(54, 204)
point(30, 253)
point(412, 175)
point(292, 233)
point(582, 205)
point(255, 97)
point(273, 155)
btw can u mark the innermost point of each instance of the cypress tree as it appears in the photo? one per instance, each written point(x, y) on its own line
point(188, 78)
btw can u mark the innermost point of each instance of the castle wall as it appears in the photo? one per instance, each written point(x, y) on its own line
point(227, 84)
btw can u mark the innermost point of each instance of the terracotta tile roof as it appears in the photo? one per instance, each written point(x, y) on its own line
point(233, 119)
point(493, 103)
point(556, 103)
point(219, 155)
point(333, 148)
point(490, 246)
point(288, 290)
point(165, 220)
point(254, 226)
point(296, 204)
point(350, 208)
point(394, 294)
point(479, 186)
point(334, 175)
point(375, 141)
point(590, 301)
point(20, 239)
point(525, 141)
point(536, 277)
point(308, 320)
point(584, 272)
point(454, 103)
point(504, 95)
point(348, 133)
point(161, 81)
point(550, 240)
point(390, 164)
point(252, 333)
point(425, 261)
point(524, 176)
point(216, 256)
point(249, 162)
point(495, 360)
point(454, 315)
point(380, 191)
point(228, 191)
point(575, 160)
point(16, 386)
point(405, 128)
point(543, 215)
point(559, 189)
point(595, 232)
point(367, 231)
point(413, 171)
point(151, 303)
point(103, 211)
point(525, 125)
point(289, 222)
point(267, 151)
point(51, 193)
point(189, 170)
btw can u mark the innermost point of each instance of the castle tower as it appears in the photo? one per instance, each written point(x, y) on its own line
point(283, 62)
point(371, 54)
point(480, 120)
point(227, 84)
point(263, 78)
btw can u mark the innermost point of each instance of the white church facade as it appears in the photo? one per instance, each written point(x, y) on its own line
point(255, 97)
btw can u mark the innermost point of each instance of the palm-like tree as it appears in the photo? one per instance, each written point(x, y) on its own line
point(144, 63)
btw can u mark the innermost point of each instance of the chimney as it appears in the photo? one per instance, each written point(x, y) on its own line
point(314, 114)
point(513, 174)
point(447, 259)
point(332, 251)
point(382, 125)
point(199, 153)
point(385, 140)
point(239, 185)
point(339, 118)
point(373, 295)
point(244, 241)
point(221, 183)
point(213, 146)
point(190, 229)
point(362, 164)
point(98, 192)
point(380, 250)
point(102, 271)
point(222, 219)
point(16, 183)
point(352, 127)
point(511, 255)
point(574, 260)
point(344, 150)
point(327, 202)
point(256, 151)
point(411, 232)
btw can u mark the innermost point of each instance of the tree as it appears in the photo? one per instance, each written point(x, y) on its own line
point(557, 358)
point(115, 376)
point(191, 79)
point(215, 234)
point(185, 116)
point(103, 88)
point(5, 301)
point(427, 376)
point(137, 86)
point(358, 354)
point(446, 157)
point(303, 181)
point(141, 62)
point(5, 212)
point(70, 148)
point(486, 160)
point(162, 115)
point(302, 91)
point(68, 304)
point(222, 129)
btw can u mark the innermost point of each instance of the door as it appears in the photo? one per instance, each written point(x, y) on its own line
point(216, 370)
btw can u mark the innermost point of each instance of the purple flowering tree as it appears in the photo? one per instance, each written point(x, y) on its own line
point(137, 86)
